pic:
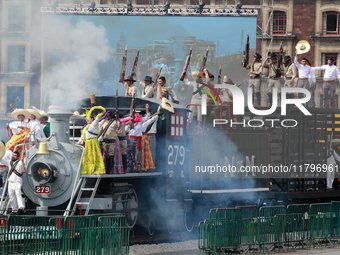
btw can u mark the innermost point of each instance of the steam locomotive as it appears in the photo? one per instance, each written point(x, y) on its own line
point(177, 194)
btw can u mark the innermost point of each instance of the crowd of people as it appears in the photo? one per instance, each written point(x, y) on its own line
point(127, 144)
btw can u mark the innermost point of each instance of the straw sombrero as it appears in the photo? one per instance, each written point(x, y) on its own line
point(18, 112)
point(34, 112)
point(43, 114)
point(194, 74)
point(335, 142)
point(76, 114)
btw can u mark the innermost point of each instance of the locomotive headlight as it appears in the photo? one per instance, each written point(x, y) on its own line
point(44, 173)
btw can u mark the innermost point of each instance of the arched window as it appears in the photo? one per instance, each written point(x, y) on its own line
point(330, 23)
point(279, 23)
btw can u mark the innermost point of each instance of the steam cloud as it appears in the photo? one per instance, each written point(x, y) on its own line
point(80, 48)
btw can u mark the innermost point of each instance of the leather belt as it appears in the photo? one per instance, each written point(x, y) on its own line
point(329, 81)
point(122, 138)
point(302, 79)
point(254, 77)
point(289, 77)
point(275, 78)
point(148, 134)
point(109, 140)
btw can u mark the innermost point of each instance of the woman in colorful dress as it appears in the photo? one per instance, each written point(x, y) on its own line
point(92, 161)
point(19, 129)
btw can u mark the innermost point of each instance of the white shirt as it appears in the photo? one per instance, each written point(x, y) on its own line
point(196, 99)
point(331, 72)
point(13, 177)
point(153, 129)
point(333, 158)
point(304, 71)
point(225, 97)
point(138, 129)
point(93, 128)
point(36, 127)
point(7, 156)
point(15, 124)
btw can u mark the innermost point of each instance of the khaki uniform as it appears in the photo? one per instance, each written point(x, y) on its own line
point(148, 90)
point(255, 78)
point(166, 90)
point(273, 81)
point(130, 90)
point(290, 75)
point(122, 138)
point(109, 137)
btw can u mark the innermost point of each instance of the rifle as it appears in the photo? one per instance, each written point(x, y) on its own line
point(135, 64)
point(116, 104)
point(204, 60)
point(157, 75)
point(132, 108)
point(219, 79)
point(245, 61)
point(278, 73)
point(122, 75)
point(184, 72)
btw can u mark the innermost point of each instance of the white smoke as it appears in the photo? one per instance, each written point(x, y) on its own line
point(79, 49)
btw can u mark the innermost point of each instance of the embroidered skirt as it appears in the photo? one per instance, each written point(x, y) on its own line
point(147, 162)
point(18, 138)
point(130, 161)
point(92, 162)
point(118, 165)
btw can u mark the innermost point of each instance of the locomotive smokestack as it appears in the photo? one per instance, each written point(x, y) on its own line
point(59, 120)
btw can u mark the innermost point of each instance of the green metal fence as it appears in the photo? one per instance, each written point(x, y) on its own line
point(273, 227)
point(84, 235)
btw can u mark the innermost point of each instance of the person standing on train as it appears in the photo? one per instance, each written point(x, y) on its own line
point(93, 160)
point(109, 131)
point(196, 98)
point(43, 121)
point(17, 168)
point(332, 158)
point(4, 168)
point(150, 128)
point(146, 86)
point(121, 133)
point(130, 87)
point(135, 133)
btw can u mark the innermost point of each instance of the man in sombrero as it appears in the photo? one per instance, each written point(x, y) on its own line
point(19, 129)
point(130, 87)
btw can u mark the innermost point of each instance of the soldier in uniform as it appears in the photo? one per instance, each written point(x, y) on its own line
point(148, 91)
point(164, 90)
point(130, 87)
point(196, 98)
point(255, 77)
point(274, 76)
point(109, 131)
point(290, 74)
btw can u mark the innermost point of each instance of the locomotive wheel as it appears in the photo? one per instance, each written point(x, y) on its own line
point(151, 227)
point(126, 203)
point(188, 219)
point(131, 208)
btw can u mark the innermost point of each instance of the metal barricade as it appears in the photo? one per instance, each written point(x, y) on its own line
point(249, 211)
point(297, 224)
point(335, 219)
point(319, 223)
point(113, 235)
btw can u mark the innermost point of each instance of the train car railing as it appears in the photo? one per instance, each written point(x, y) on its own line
point(275, 227)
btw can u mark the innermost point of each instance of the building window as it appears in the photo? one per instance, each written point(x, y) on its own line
point(279, 23)
point(16, 17)
point(330, 23)
point(15, 96)
point(16, 58)
point(326, 56)
point(177, 125)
